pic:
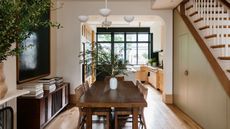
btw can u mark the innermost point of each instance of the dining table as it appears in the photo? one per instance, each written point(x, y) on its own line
point(99, 95)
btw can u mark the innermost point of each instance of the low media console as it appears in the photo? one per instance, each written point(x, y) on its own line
point(36, 112)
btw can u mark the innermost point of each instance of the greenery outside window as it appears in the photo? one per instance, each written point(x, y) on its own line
point(130, 44)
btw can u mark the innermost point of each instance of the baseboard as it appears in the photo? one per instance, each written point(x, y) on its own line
point(167, 98)
point(72, 99)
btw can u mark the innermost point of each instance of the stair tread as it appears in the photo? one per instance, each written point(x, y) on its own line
point(189, 7)
point(199, 19)
point(204, 27)
point(215, 35)
point(194, 13)
point(224, 57)
point(219, 46)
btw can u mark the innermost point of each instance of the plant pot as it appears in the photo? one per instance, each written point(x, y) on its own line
point(3, 86)
point(113, 83)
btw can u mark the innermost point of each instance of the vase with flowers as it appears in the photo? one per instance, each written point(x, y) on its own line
point(106, 64)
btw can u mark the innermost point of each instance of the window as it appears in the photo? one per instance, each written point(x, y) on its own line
point(130, 44)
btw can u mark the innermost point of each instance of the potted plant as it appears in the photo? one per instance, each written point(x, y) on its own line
point(18, 19)
point(107, 64)
point(152, 62)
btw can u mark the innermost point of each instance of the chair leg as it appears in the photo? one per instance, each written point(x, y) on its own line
point(107, 121)
point(79, 122)
point(116, 120)
point(143, 118)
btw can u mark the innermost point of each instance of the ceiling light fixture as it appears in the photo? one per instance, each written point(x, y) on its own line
point(105, 11)
point(128, 18)
point(83, 18)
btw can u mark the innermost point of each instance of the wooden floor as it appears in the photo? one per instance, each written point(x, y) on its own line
point(158, 115)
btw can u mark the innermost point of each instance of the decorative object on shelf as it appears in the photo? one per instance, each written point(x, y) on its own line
point(128, 18)
point(3, 86)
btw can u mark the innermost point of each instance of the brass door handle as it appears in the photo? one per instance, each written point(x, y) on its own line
point(186, 72)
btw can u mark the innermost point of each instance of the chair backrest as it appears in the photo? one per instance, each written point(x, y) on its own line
point(138, 82)
point(119, 78)
point(143, 90)
point(86, 85)
point(79, 91)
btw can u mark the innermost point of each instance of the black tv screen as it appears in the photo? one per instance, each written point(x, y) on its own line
point(34, 61)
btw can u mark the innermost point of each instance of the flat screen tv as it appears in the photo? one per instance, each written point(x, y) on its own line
point(34, 61)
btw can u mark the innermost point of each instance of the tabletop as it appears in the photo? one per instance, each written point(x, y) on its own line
point(100, 95)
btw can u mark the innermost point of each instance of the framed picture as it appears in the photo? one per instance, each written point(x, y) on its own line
point(34, 61)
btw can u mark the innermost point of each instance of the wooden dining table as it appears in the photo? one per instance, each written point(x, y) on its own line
point(100, 95)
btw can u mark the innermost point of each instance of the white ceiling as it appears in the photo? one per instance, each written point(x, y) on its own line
point(118, 21)
point(156, 4)
point(164, 4)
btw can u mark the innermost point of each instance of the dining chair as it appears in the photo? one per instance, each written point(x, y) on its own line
point(119, 78)
point(86, 85)
point(79, 91)
point(128, 111)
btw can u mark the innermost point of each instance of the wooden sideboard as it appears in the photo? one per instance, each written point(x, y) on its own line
point(37, 112)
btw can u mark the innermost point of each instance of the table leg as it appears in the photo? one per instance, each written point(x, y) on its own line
point(135, 118)
point(88, 118)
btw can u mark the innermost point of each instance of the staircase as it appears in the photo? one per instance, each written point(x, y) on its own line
point(209, 22)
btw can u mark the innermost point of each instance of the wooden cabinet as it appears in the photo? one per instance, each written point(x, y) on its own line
point(152, 78)
point(160, 80)
point(142, 74)
point(36, 112)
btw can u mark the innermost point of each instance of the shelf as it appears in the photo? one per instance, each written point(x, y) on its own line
point(12, 94)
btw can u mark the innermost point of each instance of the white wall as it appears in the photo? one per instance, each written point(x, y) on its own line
point(68, 45)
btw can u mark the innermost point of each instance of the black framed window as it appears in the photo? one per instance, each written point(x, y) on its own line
point(130, 44)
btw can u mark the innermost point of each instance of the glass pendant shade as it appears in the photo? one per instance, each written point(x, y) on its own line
point(105, 12)
point(83, 18)
point(129, 18)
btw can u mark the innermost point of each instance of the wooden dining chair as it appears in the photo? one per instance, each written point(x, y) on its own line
point(86, 85)
point(128, 111)
point(79, 91)
point(119, 78)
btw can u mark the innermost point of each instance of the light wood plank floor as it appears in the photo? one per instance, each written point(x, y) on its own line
point(158, 115)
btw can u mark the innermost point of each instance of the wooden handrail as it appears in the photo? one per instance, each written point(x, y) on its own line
point(225, 2)
point(213, 62)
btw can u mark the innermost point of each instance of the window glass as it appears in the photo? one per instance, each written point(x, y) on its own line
point(119, 37)
point(131, 53)
point(119, 50)
point(104, 48)
point(142, 53)
point(131, 37)
point(104, 37)
point(143, 37)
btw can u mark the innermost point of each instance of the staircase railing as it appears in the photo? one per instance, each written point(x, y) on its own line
point(209, 22)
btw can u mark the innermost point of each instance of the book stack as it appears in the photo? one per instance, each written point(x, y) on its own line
point(48, 84)
point(58, 81)
point(34, 88)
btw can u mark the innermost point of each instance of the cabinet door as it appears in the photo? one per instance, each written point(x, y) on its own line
point(153, 78)
point(180, 78)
